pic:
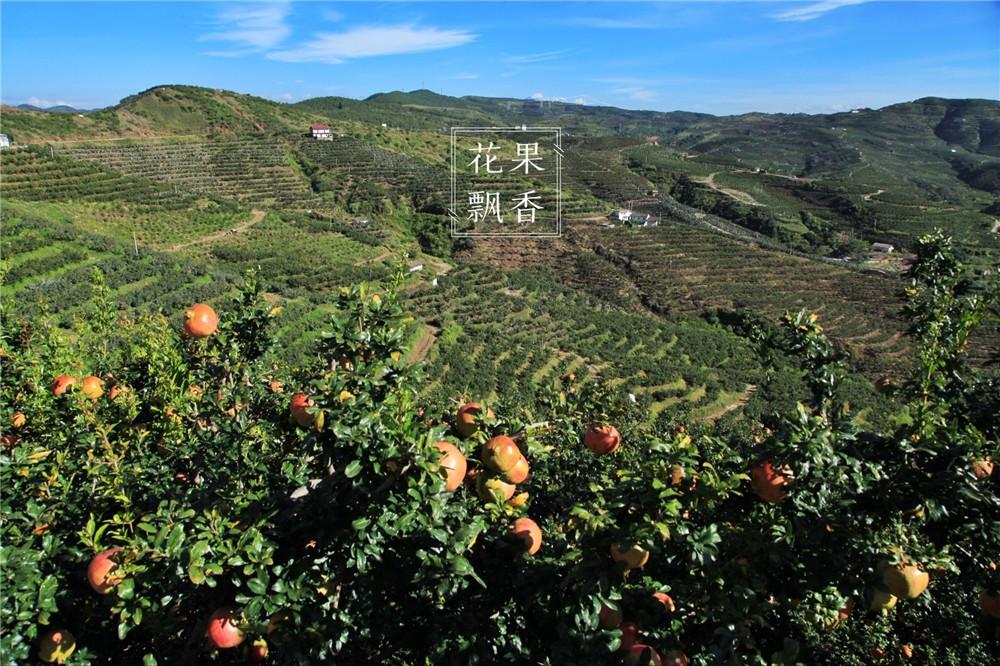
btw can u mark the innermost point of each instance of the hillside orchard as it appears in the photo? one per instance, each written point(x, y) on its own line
point(171, 497)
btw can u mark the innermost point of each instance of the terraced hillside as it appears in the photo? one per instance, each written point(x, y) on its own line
point(675, 271)
point(504, 335)
point(254, 169)
point(41, 174)
point(49, 263)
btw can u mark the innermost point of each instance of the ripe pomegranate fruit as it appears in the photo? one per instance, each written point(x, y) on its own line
point(881, 599)
point(200, 321)
point(257, 652)
point(519, 472)
point(298, 405)
point(223, 628)
point(602, 439)
point(609, 618)
point(62, 384)
point(983, 468)
point(500, 454)
point(454, 464)
point(641, 654)
point(633, 557)
point(465, 421)
point(666, 600)
point(630, 636)
point(100, 571)
point(492, 488)
point(906, 581)
point(530, 533)
point(92, 387)
point(766, 482)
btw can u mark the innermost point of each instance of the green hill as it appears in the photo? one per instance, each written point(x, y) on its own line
point(160, 111)
point(756, 214)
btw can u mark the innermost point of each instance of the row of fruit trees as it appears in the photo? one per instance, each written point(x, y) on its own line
point(170, 496)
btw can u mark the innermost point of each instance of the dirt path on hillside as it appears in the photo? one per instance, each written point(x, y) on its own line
point(255, 217)
point(732, 407)
point(423, 346)
point(797, 179)
point(738, 195)
point(386, 252)
point(868, 197)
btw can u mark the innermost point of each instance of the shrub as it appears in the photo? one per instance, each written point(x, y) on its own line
point(339, 541)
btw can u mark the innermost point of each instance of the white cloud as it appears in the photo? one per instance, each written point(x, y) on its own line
point(250, 29)
point(635, 92)
point(542, 97)
point(464, 76)
point(287, 97)
point(813, 11)
point(368, 41)
point(46, 103)
point(536, 57)
point(331, 15)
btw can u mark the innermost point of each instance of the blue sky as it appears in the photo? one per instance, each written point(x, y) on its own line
point(812, 56)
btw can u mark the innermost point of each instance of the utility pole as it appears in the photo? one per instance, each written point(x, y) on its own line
point(135, 242)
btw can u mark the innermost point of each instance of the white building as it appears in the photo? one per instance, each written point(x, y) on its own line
point(620, 215)
point(4, 141)
point(321, 132)
point(415, 268)
point(883, 247)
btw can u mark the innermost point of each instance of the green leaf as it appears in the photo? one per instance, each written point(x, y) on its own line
point(353, 469)
point(175, 540)
point(257, 586)
point(196, 574)
point(126, 589)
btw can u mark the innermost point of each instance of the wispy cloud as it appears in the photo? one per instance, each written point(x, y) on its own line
point(814, 10)
point(368, 41)
point(463, 76)
point(542, 97)
point(46, 103)
point(635, 92)
point(250, 29)
point(536, 57)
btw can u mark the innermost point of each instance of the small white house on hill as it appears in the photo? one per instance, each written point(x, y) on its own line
point(620, 215)
point(4, 141)
point(321, 132)
point(883, 247)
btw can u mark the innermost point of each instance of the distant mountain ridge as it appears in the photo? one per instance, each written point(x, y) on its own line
point(61, 108)
point(906, 144)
